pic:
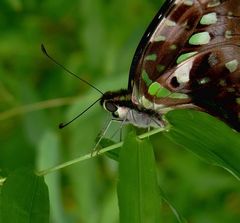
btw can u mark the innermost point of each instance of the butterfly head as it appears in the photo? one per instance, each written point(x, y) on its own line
point(117, 103)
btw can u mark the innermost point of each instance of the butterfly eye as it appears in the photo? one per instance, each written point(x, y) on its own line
point(111, 107)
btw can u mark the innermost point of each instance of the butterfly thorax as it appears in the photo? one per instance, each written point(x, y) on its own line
point(122, 108)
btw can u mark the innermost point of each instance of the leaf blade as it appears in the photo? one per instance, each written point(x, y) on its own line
point(207, 137)
point(139, 199)
point(24, 198)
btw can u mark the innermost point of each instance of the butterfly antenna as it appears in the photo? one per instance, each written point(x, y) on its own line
point(62, 125)
point(68, 71)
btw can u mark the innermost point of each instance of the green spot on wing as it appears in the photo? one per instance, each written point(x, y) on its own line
point(178, 96)
point(151, 57)
point(232, 65)
point(146, 103)
point(188, 2)
point(160, 68)
point(200, 38)
point(163, 92)
point(228, 34)
point(159, 38)
point(173, 47)
point(208, 19)
point(238, 101)
point(156, 89)
point(153, 89)
point(185, 56)
point(213, 4)
point(146, 78)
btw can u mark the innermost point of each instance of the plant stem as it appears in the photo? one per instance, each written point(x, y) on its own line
point(36, 106)
point(96, 153)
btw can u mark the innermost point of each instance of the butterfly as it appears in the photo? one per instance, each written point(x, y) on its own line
point(188, 58)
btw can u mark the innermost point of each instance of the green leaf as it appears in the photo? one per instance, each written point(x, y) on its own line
point(178, 216)
point(206, 136)
point(48, 156)
point(139, 198)
point(24, 198)
point(113, 154)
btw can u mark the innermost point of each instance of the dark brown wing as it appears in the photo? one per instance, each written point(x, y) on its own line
point(142, 46)
point(192, 59)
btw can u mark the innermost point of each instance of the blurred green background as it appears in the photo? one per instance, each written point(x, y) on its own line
point(96, 39)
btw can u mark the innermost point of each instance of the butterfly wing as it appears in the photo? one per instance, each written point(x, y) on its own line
point(191, 58)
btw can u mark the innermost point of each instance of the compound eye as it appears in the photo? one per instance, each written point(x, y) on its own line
point(111, 107)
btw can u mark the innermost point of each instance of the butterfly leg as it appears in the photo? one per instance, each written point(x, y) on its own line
point(119, 129)
point(95, 149)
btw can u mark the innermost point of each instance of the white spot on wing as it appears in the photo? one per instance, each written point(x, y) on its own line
point(183, 72)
